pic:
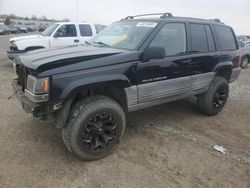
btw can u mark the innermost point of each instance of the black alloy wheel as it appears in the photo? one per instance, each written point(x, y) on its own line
point(213, 101)
point(99, 131)
point(219, 98)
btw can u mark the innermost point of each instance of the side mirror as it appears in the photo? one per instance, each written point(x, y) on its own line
point(56, 35)
point(154, 52)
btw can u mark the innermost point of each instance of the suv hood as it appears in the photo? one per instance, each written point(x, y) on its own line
point(26, 37)
point(59, 57)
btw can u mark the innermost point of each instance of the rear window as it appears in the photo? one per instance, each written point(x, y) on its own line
point(226, 38)
point(199, 38)
point(85, 30)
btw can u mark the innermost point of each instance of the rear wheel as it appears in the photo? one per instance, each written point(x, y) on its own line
point(95, 127)
point(213, 101)
point(245, 63)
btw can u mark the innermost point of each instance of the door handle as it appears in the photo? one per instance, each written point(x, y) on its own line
point(76, 40)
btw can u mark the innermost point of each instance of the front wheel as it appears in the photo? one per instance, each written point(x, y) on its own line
point(95, 127)
point(213, 101)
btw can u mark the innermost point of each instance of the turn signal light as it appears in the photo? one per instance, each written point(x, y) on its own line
point(46, 86)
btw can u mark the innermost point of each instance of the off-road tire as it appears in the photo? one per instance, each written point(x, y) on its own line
point(79, 117)
point(206, 102)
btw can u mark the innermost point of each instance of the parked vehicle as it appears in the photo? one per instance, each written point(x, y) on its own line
point(248, 44)
point(245, 57)
point(41, 28)
point(30, 29)
point(135, 63)
point(4, 30)
point(57, 35)
point(13, 29)
point(22, 29)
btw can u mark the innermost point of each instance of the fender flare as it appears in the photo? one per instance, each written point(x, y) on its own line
point(75, 87)
point(222, 65)
point(83, 84)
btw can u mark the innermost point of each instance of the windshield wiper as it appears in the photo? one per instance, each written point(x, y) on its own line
point(102, 43)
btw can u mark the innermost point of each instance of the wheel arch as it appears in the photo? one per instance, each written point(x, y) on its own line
point(112, 88)
point(224, 69)
point(33, 48)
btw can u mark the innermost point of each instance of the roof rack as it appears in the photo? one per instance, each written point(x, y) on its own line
point(162, 15)
point(216, 20)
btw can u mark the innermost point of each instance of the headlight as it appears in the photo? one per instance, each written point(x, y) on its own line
point(13, 45)
point(38, 86)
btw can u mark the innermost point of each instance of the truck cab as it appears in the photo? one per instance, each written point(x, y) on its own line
point(56, 35)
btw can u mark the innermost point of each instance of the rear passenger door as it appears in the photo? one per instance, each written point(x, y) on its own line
point(86, 32)
point(202, 49)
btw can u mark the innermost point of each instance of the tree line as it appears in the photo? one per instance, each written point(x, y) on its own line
point(8, 17)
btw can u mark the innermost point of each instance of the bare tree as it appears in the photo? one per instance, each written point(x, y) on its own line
point(66, 20)
point(33, 17)
point(44, 18)
point(12, 16)
point(7, 21)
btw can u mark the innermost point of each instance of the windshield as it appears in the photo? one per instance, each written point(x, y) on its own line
point(50, 30)
point(124, 35)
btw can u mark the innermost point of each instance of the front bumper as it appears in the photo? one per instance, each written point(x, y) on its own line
point(27, 105)
point(42, 111)
point(235, 74)
point(12, 54)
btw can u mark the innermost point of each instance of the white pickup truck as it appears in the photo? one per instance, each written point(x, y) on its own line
point(56, 35)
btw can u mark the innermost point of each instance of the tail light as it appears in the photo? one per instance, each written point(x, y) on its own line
point(239, 60)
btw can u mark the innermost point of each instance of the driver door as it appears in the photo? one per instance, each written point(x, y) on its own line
point(66, 35)
point(160, 80)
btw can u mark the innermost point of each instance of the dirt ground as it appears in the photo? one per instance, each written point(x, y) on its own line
point(166, 146)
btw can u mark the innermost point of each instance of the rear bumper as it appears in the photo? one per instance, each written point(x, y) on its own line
point(13, 54)
point(235, 74)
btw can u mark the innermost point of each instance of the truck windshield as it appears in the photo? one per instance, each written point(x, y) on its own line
point(50, 30)
point(124, 35)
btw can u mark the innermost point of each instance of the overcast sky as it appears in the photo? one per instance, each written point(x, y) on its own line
point(233, 12)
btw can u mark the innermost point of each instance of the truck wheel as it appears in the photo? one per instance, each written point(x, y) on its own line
point(245, 63)
point(213, 101)
point(95, 127)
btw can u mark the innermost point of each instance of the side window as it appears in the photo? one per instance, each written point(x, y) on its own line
point(210, 38)
point(66, 31)
point(172, 37)
point(226, 38)
point(85, 30)
point(198, 38)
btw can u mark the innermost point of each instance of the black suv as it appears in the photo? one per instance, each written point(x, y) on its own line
point(132, 64)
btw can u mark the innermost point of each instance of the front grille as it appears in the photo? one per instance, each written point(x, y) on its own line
point(22, 76)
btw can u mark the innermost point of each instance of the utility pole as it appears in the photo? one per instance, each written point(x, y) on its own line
point(77, 10)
